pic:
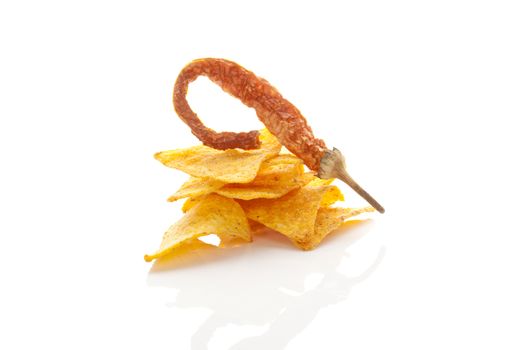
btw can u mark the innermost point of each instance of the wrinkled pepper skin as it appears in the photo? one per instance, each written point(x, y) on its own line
point(279, 116)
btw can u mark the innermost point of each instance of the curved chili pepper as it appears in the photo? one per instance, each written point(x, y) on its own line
point(279, 116)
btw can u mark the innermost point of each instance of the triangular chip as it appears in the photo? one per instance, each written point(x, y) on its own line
point(276, 170)
point(196, 187)
point(293, 215)
point(329, 219)
point(276, 177)
point(320, 182)
point(248, 192)
point(231, 166)
point(269, 143)
point(333, 195)
point(212, 214)
point(251, 191)
point(190, 203)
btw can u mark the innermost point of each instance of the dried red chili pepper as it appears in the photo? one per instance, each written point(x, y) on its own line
point(279, 116)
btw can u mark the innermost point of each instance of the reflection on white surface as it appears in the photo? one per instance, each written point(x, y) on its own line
point(267, 284)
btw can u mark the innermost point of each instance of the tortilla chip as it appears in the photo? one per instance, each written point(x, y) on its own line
point(320, 182)
point(251, 191)
point(196, 187)
point(190, 203)
point(276, 170)
point(212, 214)
point(283, 158)
point(329, 219)
point(269, 143)
point(256, 228)
point(276, 177)
point(293, 215)
point(332, 195)
point(230, 166)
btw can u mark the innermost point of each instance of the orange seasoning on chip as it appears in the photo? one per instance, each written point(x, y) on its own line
point(279, 116)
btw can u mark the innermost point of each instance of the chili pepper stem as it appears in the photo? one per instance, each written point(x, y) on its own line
point(333, 165)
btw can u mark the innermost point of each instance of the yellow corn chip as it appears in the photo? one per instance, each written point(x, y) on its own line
point(332, 195)
point(251, 191)
point(190, 203)
point(329, 219)
point(212, 214)
point(256, 227)
point(244, 191)
point(293, 215)
point(269, 143)
point(196, 187)
point(279, 169)
point(320, 182)
point(276, 177)
point(230, 166)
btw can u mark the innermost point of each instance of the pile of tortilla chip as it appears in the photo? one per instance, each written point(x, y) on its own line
point(231, 192)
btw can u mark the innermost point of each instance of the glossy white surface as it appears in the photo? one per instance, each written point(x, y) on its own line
point(274, 301)
point(424, 99)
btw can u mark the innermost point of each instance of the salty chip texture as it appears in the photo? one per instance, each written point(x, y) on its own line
point(332, 195)
point(276, 177)
point(196, 187)
point(250, 191)
point(230, 166)
point(293, 215)
point(320, 182)
point(212, 214)
point(190, 203)
point(327, 220)
point(228, 189)
point(275, 170)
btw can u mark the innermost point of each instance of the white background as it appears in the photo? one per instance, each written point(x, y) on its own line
point(425, 99)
